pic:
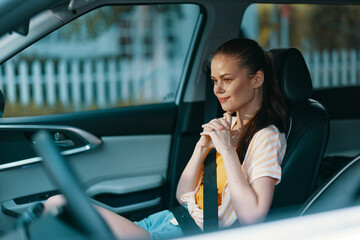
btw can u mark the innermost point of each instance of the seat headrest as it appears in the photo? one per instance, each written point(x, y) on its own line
point(292, 73)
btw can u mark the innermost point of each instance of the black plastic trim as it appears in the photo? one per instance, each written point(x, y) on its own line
point(120, 200)
point(341, 103)
point(134, 120)
point(187, 133)
point(35, 197)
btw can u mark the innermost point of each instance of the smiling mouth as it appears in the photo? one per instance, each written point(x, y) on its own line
point(221, 100)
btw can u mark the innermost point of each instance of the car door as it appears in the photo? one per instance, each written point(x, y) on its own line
point(112, 106)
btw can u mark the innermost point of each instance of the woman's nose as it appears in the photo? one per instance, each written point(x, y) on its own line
point(218, 88)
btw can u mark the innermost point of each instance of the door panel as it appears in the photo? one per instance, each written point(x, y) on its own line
point(344, 120)
point(126, 194)
point(146, 171)
point(344, 140)
point(126, 173)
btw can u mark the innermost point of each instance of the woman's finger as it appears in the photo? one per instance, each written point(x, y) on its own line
point(208, 128)
point(214, 124)
point(205, 133)
point(225, 123)
point(228, 118)
point(217, 124)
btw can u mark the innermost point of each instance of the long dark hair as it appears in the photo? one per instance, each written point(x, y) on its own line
point(250, 55)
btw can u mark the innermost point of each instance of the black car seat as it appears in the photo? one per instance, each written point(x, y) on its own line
point(342, 190)
point(307, 135)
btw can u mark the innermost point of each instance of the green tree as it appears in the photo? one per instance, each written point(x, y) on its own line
point(333, 27)
point(93, 24)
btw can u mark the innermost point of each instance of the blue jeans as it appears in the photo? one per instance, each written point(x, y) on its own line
point(160, 227)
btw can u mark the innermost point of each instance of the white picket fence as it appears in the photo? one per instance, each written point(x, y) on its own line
point(81, 83)
point(334, 68)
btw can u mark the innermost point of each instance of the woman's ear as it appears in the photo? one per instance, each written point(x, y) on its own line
point(258, 79)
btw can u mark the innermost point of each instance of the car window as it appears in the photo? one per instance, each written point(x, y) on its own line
point(328, 37)
point(113, 56)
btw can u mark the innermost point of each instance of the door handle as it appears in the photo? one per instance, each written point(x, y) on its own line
point(62, 141)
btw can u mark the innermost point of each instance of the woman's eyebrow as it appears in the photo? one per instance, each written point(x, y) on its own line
point(222, 75)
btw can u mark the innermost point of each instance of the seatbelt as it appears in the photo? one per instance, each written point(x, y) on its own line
point(210, 193)
point(186, 222)
point(212, 107)
point(181, 214)
point(210, 209)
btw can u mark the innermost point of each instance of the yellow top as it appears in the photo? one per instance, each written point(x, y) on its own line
point(221, 180)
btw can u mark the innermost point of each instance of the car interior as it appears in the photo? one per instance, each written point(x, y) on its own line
point(128, 158)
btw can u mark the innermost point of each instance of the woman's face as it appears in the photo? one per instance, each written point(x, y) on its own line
point(233, 87)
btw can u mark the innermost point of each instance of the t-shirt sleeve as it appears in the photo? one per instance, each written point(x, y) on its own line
point(189, 200)
point(265, 154)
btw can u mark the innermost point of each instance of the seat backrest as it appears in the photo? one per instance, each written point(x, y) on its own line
point(308, 130)
point(340, 191)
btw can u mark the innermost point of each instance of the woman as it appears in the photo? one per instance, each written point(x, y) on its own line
point(250, 147)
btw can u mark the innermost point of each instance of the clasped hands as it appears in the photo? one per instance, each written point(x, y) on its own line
point(219, 135)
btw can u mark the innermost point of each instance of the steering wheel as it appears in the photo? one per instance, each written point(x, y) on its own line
point(87, 218)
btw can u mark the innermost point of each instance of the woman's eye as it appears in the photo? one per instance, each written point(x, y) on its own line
point(213, 81)
point(227, 79)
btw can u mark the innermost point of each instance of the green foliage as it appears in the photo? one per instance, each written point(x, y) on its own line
point(314, 26)
point(94, 23)
point(334, 27)
point(20, 110)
